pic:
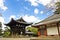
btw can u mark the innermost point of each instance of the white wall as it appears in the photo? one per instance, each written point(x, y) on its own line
point(52, 31)
point(59, 29)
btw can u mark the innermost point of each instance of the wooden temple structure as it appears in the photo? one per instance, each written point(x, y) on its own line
point(18, 26)
point(49, 26)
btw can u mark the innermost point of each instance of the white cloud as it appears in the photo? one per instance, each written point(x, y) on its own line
point(37, 2)
point(26, 8)
point(2, 21)
point(12, 16)
point(2, 6)
point(43, 2)
point(30, 18)
point(36, 11)
point(41, 12)
point(49, 4)
point(33, 2)
point(27, 18)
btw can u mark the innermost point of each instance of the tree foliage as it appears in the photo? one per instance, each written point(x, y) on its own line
point(58, 8)
point(0, 24)
point(33, 29)
point(6, 32)
point(58, 4)
point(0, 28)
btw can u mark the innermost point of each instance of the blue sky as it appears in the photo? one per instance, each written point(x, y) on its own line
point(30, 10)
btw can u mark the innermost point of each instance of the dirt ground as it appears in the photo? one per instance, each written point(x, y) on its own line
point(34, 38)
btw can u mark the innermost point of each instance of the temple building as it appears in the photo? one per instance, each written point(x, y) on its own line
point(50, 26)
point(18, 26)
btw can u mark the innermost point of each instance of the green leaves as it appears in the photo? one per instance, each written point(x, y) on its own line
point(6, 34)
point(58, 4)
point(57, 11)
point(33, 29)
point(58, 8)
point(0, 24)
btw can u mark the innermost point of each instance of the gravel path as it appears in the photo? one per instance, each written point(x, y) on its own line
point(34, 38)
point(30, 38)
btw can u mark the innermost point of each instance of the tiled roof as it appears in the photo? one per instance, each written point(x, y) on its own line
point(53, 18)
point(19, 21)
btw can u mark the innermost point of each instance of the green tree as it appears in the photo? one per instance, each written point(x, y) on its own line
point(6, 32)
point(0, 24)
point(0, 28)
point(33, 29)
point(58, 8)
point(58, 4)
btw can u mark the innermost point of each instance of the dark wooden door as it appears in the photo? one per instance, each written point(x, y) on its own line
point(43, 31)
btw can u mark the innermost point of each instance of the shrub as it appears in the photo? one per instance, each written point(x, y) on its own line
point(33, 29)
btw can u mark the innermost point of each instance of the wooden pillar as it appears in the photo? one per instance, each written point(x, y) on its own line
point(58, 27)
point(12, 34)
point(45, 32)
point(39, 32)
point(16, 34)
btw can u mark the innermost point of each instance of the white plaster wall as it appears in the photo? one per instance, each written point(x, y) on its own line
point(59, 29)
point(52, 31)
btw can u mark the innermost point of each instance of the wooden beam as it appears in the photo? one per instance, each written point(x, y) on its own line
point(58, 27)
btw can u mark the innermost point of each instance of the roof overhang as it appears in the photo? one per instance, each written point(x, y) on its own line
point(48, 22)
